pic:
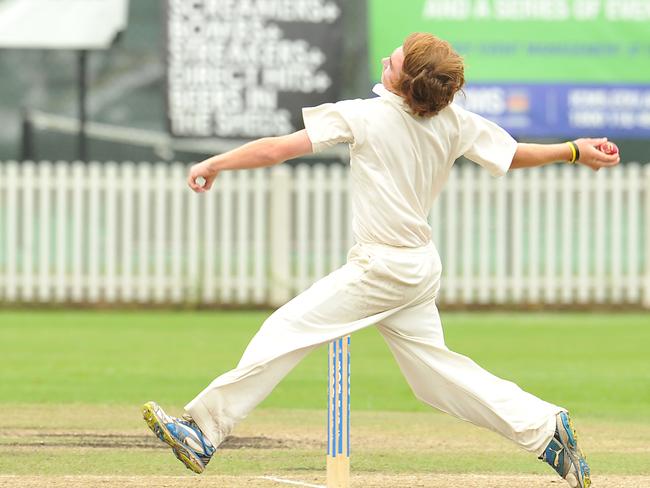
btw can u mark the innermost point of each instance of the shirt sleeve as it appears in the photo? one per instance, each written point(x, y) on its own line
point(330, 124)
point(485, 143)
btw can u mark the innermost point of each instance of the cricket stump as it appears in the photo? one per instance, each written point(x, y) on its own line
point(338, 415)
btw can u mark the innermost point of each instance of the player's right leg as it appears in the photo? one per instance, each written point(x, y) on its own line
point(185, 438)
point(345, 301)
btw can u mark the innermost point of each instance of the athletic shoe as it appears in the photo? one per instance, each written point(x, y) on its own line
point(185, 438)
point(564, 455)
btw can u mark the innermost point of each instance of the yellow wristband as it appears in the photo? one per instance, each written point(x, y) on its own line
point(574, 152)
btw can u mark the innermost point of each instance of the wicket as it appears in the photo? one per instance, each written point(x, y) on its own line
point(338, 414)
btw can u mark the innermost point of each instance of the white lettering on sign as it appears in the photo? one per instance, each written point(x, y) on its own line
point(644, 120)
point(628, 10)
point(499, 9)
point(542, 10)
point(233, 65)
point(486, 101)
point(531, 10)
point(618, 108)
point(447, 9)
point(586, 9)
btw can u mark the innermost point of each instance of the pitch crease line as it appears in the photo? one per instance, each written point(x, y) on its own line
point(290, 482)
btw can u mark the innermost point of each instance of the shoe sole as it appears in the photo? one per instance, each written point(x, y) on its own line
point(576, 454)
point(157, 426)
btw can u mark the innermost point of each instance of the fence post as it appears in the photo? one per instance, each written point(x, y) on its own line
point(44, 241)
point(28, 183)
point(11, 216)
point(280, 230)
point(634, 184)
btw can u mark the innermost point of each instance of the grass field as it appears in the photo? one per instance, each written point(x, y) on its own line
point(71, 384)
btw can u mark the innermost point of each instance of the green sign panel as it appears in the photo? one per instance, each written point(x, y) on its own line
point(526, 41)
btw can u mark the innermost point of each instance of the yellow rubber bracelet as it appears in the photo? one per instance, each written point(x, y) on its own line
point(574, 153)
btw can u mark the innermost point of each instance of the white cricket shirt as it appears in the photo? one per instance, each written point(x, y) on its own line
point(400, 162)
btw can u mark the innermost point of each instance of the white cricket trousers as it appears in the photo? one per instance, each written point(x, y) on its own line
point(394, 289)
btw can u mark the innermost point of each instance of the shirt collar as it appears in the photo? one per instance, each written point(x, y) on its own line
point(386, 94)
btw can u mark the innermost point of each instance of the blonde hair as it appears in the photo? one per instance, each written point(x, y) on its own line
point(432, 74)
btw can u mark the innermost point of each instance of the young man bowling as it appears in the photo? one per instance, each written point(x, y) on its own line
point(403, 145)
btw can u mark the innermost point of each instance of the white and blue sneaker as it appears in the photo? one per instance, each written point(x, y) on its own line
point(564, 455)
point(185, 438)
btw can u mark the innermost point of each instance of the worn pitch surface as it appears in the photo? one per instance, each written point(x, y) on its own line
point(109, 446)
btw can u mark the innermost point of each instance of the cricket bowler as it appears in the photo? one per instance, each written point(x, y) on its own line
point(403, 144)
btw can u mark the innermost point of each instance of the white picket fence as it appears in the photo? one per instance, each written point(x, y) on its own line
point(76, 233)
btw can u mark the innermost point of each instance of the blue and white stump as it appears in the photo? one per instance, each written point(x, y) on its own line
point(338, 416)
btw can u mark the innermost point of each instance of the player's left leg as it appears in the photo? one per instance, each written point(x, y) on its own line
point(457, 385)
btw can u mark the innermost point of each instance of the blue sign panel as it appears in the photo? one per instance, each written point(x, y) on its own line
point(552, 110)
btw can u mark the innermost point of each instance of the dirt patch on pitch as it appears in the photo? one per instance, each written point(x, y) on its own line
point(359, 481)
point(27, 438)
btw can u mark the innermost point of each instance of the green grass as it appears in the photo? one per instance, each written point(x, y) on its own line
point(72, 371)
point(595, 365)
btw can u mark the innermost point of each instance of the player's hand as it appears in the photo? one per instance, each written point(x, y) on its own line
point(594, 158)
point(202, 176)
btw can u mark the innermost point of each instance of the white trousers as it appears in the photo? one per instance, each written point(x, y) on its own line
point(394, 289)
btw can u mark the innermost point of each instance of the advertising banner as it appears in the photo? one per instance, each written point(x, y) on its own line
point(245, 68)
point(545, 68)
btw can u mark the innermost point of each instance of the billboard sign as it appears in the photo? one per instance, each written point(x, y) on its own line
point(546, 68)
point(245, 68)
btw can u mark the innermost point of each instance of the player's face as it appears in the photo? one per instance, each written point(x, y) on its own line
point(392, 68)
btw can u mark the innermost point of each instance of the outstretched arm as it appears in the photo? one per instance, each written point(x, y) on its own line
point(531, 155)
point(257, 154)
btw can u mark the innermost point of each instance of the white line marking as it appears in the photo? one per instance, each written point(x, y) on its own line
point(290, 482)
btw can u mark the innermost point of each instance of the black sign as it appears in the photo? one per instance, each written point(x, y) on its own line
point(245, 68)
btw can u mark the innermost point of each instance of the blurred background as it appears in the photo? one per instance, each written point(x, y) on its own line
point(112, 99)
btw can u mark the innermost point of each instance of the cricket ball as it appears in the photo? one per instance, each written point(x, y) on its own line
point(608, 148)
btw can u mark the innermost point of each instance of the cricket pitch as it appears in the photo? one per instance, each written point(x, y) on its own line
point(110, 447)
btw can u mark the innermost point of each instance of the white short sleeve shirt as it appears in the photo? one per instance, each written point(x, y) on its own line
point(400, 162)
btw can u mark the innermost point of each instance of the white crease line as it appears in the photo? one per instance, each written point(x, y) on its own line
point(290, 482)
